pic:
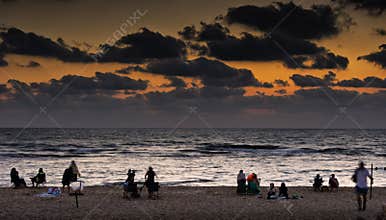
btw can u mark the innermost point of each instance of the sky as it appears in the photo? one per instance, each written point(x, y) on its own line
point(264, 64)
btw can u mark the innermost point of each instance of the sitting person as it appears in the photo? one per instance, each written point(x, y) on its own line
point(318, 182)
point(241, 182)
point(130, 185)
point(16, 180)
point(39, 178)
point(333, 182)
point(67, 178)
point(253, 184)
point(271, 192)
point(283, 191)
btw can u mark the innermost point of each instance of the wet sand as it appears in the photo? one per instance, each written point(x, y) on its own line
point(187, 203)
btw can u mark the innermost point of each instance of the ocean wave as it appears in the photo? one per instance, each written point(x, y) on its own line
point(241, 146)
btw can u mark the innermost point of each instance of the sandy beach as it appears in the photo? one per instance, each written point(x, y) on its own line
point(187, 203)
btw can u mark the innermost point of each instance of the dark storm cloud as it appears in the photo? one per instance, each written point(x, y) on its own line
point(313, 81)
point(317, 22)
point(378, 58)
point(31, 64)
point(207, 32)
point(281, 83)
point(2, 61)
point(368, 82)
point(74, 84)
point(146, 44)
point(211, 72)
point(380, 31)
point(174, 82)
point(130, 69)
point(374, 7)
point(325, 60)
point(250, 47)
point(3, 88)
point(18, 42)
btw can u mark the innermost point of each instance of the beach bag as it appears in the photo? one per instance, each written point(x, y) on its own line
point(77, 187)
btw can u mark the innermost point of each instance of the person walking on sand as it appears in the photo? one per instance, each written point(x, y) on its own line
point(75, 171)
point(360, 178)
point(149, 181)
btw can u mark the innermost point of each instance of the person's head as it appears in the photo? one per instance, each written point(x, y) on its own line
point(361, 164)
point(332, 175)
point(271, 185)
point(241, 171)
point(317, 175)
point(40, 170)
point(73, 162)
point(283, 185)
point(150, 168)
point(13, 169)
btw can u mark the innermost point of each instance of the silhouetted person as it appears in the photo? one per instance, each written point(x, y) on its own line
point(271, 192)
point(360, 178)
point(318, 182)
point(150, 183)
point(283, 191)
point(130, 176)
point(333, 183)
point(16, 180)
point(75, 171)
point(39, 178)
point(130, 186)
point(241, 187)
point(67, 178)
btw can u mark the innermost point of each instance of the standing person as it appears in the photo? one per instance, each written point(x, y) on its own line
point(241, 182)
point(149, 181)
point(360, 178)
point(66, 179)
point(75, 171)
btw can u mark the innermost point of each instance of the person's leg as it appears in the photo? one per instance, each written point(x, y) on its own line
point(364, 201)
point(359, 201)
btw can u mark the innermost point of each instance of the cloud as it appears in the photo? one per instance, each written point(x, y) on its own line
point(368, 82)
point(315, 23)
point(31, 64)
point(380, 31)
point(374, 7)
point(18, 42)
point(281, 83)
point(211, 72)
point(74, 84)
point(130, 69)
point(207, 32)
point(253, 48)
point(313, 81)
point(174, 82)
point(3, 88)
point(378, 58)
point(146, 44)
point(2, 61)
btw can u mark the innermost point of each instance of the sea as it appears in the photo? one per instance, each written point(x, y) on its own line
point(193, 157)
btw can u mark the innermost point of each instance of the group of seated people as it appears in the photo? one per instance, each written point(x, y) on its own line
point(70, 175)
point(253, 186)
point(19, 182)
point(333, 183)
point(130, 186)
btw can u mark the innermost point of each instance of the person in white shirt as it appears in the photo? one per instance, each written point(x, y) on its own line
point(360, 178)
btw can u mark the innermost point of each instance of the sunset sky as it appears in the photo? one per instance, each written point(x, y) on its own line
point(300, 64)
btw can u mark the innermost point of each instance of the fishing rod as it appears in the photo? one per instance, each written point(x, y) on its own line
point(372, 180)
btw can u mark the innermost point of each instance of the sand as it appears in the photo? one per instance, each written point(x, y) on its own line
point(187, 203)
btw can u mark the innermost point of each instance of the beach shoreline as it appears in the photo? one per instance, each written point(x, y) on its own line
point(185, 202)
